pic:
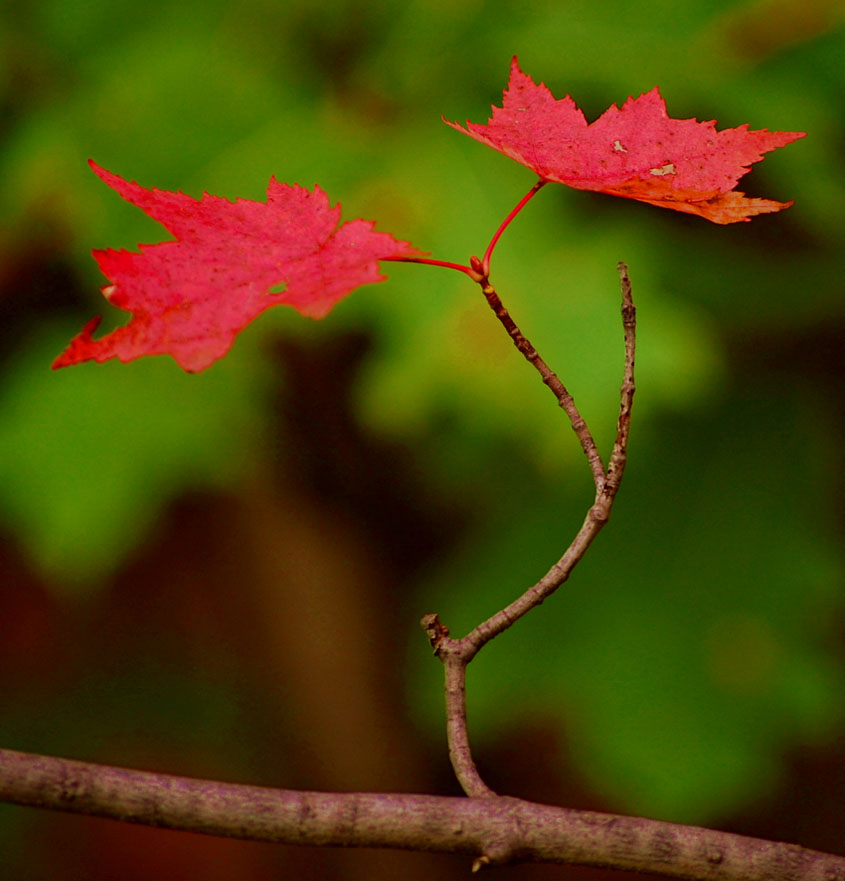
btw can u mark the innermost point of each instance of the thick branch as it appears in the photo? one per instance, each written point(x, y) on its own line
point(498, 829)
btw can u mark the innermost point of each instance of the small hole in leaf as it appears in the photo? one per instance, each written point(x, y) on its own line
point(277, 288)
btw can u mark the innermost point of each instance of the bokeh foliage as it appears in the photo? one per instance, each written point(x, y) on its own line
point(693, 646)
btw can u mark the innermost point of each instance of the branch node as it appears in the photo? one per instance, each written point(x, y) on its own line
point(434, 630)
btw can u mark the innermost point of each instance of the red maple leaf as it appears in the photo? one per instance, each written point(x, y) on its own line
point(637, 152)
point(230, 261)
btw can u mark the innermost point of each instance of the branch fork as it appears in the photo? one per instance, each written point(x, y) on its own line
point(457, 653)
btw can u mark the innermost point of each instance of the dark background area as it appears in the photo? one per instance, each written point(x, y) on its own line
point(221, 574)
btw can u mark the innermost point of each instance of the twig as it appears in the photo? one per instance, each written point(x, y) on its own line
point(607, 487)
point(599, 513)
point(460, 755)
point(618, 457)
point(492, 830)
point(457, 653)
point(550, 378)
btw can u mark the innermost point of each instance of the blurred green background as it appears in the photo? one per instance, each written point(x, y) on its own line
point(221, 574)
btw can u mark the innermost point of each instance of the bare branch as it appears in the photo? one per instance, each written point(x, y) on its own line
point(550, 378)
point(607, 483)
point(457, 735)
point(491, 830)
point(455, 662)
point(457, 653)
point(619, 456)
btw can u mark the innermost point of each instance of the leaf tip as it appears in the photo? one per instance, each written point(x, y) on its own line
point(78, 349)
point(101, 172)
